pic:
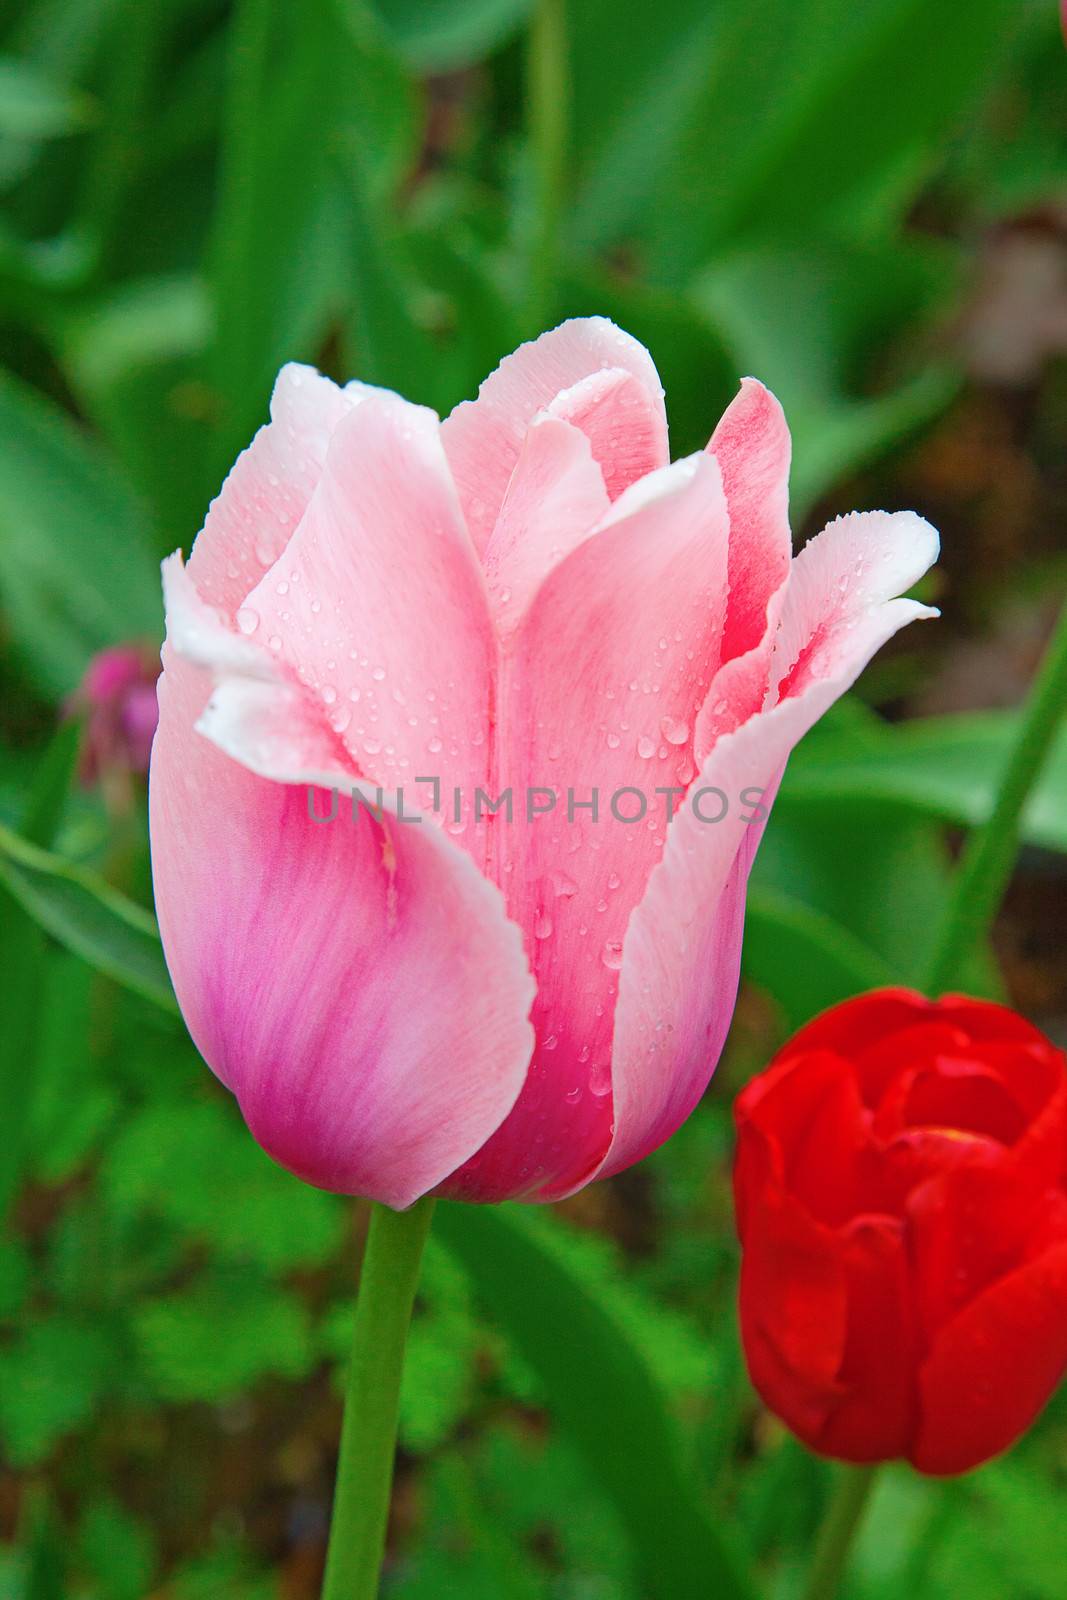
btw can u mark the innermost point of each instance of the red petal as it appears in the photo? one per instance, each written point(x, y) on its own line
point(994, 1367)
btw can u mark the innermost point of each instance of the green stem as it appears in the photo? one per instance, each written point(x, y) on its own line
point(838, 1529)
point(372, 1398)
point(989, 854)
point(548, 112)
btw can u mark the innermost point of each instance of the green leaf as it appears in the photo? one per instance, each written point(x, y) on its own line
point(24, 967)
point(76, 565)
point(805, 959)
point(634, 88)
point(889, 895)
point(215, 1339)
point(440, 35)
point(51, 1379)
point(279, 254)
point(117, 1549)
point(820, 113)
point(601, 1391)
point(47, 798)
point(805, 321)
point(269, 1219)
point(133, 356)
point(33, 107)
point(22, 962)
point(73, 1099)
point(945, 767)
point(88, 917)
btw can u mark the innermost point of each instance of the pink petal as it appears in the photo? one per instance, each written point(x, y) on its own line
point(598, 690)
point(379, 605)
point(836, 585)
point(555, 499)
point(624, 422)
point(752, 446)
point(682, 950)
point(268, 489)
point(483, 437)
point(356, 984)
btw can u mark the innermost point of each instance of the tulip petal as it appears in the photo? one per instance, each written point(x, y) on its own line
point(682, 952)
point(875, 1416)
point(624, 421)
point(752, 446)
point(595, 673)
point(1016, 1327)
point(356, 983)
point(483, 437)
point(555, 499)
point(379, 605)
point(837, 585)
point(792, 1297)
point(268, 489)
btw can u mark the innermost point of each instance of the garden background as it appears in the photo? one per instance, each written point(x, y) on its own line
point(863, 204)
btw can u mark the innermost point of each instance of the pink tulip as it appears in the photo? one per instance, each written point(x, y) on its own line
point(526, 596)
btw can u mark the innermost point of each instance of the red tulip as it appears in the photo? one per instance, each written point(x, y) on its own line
point(901, 1187)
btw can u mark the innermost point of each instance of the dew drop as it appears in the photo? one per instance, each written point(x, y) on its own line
point(600, 1082)
point(611, 955)
point(674, 730)
point(274, 642)
point(378, 674)
point(542, 925)
point(329, 694)
point(247, 619)
point(646, 747)
point(613, 741)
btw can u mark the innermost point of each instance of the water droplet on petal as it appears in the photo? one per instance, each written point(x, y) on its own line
point(600, 1081)
point(542, 925)
point(247, 619)
point(646, 747)
point(611, 955)
point(674, 730)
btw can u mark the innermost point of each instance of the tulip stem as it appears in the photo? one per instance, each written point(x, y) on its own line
point(989, 854)
point(839, 1525)
point(387, 1287)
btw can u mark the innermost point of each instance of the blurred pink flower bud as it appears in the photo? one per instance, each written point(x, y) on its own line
point(117, 699)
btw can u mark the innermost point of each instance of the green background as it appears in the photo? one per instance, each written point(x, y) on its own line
point(864, 205)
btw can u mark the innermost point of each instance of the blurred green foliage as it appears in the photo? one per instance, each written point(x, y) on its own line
point(193, 192)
